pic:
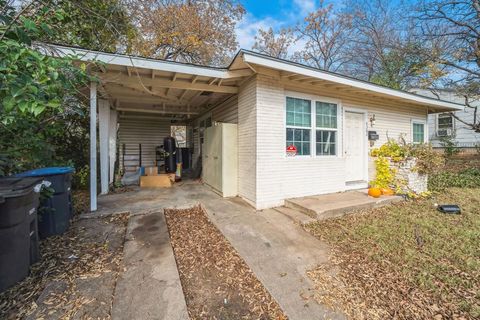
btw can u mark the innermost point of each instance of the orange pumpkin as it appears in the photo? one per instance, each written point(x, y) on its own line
point(387, 191)
point(374, 192)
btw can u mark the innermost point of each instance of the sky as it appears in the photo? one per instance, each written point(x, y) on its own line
point(271, 13)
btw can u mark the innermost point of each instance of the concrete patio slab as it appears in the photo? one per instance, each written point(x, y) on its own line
point(336, 204)
point(276, 248)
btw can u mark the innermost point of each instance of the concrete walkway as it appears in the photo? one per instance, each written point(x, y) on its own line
point(149, 287)
point(277, 250)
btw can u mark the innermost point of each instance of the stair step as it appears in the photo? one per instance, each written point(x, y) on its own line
point(295, 215)
point(335, 205)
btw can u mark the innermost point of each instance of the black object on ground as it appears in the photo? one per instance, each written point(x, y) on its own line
point(449, 208)
point(170, 153)
point(18, 237)
point(54, 213)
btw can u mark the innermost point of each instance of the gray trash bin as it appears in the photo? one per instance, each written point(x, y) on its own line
point(18, 238)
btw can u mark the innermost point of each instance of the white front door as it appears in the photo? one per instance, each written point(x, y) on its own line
point(355, 148)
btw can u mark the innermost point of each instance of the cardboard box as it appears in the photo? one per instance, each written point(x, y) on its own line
point(158, 181)
point(151, 171)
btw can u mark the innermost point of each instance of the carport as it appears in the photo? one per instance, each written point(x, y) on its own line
point(143, 89)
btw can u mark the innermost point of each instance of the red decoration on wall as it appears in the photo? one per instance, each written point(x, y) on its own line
point(291, 150)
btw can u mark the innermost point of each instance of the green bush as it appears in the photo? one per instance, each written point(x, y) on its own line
point(428, 160)
point(469, 178)
point(81, 178)
point(449, 146)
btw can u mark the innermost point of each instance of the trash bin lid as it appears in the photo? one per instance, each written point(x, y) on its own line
point(12, 187)
point(41, 172)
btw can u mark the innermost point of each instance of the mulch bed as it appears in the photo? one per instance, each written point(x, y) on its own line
point(76, 275)
point(216, 281)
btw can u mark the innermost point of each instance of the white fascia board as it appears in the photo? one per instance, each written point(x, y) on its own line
point(294, 68)
point(146, 63)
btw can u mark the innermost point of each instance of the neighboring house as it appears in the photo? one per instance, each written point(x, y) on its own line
point(332, 120)
point(442, 125)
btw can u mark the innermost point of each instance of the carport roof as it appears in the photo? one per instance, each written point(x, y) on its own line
point(161, 86)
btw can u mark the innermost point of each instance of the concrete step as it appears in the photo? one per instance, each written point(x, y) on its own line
point(333, 205)
point(295, 215)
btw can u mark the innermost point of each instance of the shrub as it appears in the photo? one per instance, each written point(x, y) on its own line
point(469, 178)
point(391, 149)
point(428, 160)
point(80, 179)
point(384, 174)
point(449, 145)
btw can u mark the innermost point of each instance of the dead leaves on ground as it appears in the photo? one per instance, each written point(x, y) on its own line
point(64, 260)
point(217, 283)
point(370, 277)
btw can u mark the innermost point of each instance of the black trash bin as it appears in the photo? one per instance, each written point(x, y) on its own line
point(18, 240)
point(54, 213)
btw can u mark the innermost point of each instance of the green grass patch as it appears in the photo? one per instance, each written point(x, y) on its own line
point(467, 178)
point(436, 253)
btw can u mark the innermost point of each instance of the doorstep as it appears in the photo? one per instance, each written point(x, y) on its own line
point(337, 204)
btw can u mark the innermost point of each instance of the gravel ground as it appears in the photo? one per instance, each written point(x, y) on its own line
point(216, 281)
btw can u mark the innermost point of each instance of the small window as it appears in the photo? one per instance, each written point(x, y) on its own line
point(445, 122)
point(180, 135)
point(326, 129)
point(299, 121)
point(418, 130)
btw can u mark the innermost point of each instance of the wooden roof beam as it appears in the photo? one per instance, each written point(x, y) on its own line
point(155, 109)
point(162, 83)
point(183, 95)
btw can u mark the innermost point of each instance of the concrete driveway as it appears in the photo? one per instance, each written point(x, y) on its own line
point(277, 250)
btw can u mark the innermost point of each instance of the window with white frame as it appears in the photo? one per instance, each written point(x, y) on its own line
point(418, 131)
point(326, 128)
point(299, 122)
point(306, 121)
point(444, 124)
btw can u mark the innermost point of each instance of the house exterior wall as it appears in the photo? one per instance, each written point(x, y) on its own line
point(227, 111)
point(224, 112)
point(464, 137)
point(279, 177)
point(147, 130)
point(247, 137)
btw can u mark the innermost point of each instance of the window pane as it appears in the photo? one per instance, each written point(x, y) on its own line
point(418, 132)
point(290, 105)
point(326, 115)
point(300, 138)
point(445, 121)
point(326, 142)
point(298, 112)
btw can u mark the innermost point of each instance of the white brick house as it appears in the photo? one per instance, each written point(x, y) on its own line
point(274, 103)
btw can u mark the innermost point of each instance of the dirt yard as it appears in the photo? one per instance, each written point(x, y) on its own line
point(217, 283)
point(76, 276)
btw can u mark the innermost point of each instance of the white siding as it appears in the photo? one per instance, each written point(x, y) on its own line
point(278, 177)
point(225, 112)
point(146, 130)
point(464, 137)
point(247, 153)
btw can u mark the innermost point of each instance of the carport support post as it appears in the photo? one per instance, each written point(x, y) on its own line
point(93, 146)
point(112, 146)
point(103, 128)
